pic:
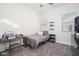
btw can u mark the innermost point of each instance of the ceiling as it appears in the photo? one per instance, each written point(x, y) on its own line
point(46, 6)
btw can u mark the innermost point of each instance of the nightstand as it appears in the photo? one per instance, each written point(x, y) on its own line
point(52, 38)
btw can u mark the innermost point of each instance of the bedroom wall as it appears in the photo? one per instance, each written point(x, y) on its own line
point(27, 19)
point(56, 16)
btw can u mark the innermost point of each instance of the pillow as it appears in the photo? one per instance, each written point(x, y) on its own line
point(45, 33)
point(40, 33)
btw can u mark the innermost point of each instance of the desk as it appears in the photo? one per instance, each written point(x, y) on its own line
point(11, 44)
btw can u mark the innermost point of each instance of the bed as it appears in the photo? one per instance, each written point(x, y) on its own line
point(35, 40)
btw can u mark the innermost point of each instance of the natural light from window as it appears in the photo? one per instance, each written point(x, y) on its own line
point(10, 23)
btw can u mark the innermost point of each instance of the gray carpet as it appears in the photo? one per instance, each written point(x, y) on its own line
point(47, 49)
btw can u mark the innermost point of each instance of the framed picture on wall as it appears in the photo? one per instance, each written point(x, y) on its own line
point(68, 22)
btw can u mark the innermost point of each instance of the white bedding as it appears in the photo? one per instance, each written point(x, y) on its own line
point(34, 40)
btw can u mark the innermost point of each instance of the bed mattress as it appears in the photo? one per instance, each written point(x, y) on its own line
point(34, 40)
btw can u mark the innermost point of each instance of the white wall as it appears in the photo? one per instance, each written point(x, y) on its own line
point(26, 18)
point(29, 20)
point(56, 16)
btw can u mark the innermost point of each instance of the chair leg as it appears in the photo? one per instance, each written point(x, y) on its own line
point(21, 48)
point(0, 54)
point(10, 50)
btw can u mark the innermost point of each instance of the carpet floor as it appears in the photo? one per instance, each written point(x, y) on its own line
point(47, 49)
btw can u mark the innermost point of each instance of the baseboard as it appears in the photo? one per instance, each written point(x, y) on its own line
point(63, 43)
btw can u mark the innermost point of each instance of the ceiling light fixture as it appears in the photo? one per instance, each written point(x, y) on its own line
point(50, 3)
point(42, 5)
